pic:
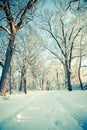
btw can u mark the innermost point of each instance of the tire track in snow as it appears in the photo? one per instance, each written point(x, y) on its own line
point(13, 113)
point(64, 117)
point(47, 110)
point(72, 109)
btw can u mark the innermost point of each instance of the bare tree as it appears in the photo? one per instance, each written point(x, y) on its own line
point(64, 39)
point(26, 57)
point(81, 56)
point(13, 25)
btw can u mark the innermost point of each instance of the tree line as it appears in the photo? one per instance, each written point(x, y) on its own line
point(65, 29)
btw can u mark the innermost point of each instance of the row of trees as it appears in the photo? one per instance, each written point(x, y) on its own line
point(66, 30)
point(61, 31)
point(12, 24)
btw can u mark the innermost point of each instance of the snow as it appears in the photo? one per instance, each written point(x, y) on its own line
point(44, 110)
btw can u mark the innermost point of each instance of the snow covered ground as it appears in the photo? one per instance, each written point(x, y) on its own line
point(44, 110)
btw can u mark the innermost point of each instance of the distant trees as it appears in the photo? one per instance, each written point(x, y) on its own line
point(27, 56)
point(13, 21)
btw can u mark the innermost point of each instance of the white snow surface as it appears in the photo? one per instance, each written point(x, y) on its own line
point(44, 110)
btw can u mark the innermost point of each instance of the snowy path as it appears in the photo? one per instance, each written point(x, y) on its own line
point(44, 111)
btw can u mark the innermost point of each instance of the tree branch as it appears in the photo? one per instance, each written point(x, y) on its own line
point(8, 13)
point(14, 28)
point(71, 33)
point(70, 2)
point(77, 33)
point(71, 48)
point(29, 5)
point(55, 55)
point(5, 30)
point(63, 33)
point(50, 31)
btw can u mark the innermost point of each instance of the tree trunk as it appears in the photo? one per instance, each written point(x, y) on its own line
point(9, 54)
point(10, 79)
point(21, 82)
point(57, 79)
point(81, 85)
point(25, 86)
point(42, 86)
point(79, 76)
point(67, 77)
point(24, 79)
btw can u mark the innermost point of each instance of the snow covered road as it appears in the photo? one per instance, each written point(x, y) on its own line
point(44, 110)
